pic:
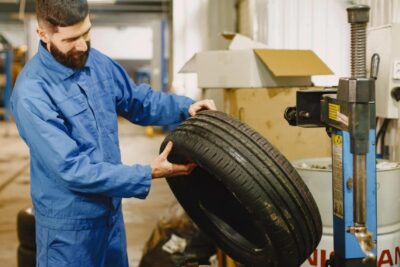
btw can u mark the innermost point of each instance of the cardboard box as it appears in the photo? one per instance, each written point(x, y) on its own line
point(263, 108)
point(251, 64)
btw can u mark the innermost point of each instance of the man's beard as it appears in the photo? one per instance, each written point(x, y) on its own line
point(72, 59)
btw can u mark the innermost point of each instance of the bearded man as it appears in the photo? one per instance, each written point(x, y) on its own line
point(65, 103)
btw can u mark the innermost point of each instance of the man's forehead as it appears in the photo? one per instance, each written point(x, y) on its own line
point(76, 29)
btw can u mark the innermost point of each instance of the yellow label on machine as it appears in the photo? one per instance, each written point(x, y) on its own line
point(337, 139)
point(337, 175)
point(333, 111)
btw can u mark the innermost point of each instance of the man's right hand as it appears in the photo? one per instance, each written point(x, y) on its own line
point(161, 167)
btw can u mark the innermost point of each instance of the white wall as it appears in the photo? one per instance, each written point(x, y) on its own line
point(14, 33)
point(189, 30)
point(128, 43)
point(320, 25)
point(32, 39)
point(382, 11)
point(22, 34)
point(196, 27)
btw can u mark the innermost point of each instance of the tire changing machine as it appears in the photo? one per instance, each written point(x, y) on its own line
point(348, 113)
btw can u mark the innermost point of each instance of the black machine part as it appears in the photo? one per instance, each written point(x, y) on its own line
point(307, 112)
point(395, 93)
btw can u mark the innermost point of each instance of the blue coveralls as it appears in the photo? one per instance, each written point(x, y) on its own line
point(68, 119)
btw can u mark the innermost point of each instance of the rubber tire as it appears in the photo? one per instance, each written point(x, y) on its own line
point(26, 257)
point(244, 194)
point(26, 228)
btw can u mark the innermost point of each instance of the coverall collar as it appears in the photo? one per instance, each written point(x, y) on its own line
point(51, 63)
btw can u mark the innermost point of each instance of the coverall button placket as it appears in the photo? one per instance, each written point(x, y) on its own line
point(82, 83)
point(89, 94)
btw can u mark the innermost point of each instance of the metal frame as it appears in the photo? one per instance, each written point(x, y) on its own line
point(347, 250)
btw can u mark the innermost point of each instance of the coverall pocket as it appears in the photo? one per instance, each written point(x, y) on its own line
point(76, 248)
point(73, 106)
point(79, 120)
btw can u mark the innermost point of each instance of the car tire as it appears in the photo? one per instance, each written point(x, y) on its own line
point(26, 257)
point(243, 193)
point(26, 228)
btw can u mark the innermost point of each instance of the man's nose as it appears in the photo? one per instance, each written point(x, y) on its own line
point(81, 45)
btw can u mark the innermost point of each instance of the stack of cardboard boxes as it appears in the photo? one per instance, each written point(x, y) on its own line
point(256, 84)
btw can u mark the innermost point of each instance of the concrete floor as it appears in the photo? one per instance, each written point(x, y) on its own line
point(140, 215)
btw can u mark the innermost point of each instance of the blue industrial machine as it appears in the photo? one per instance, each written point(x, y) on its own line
point(348, 113)
point(5, 75)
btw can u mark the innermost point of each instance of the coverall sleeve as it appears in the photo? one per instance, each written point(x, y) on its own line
point(142, 105)
point(47, 137)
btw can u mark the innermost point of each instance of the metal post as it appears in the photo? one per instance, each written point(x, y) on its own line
point(358, 17)
point(360, 190)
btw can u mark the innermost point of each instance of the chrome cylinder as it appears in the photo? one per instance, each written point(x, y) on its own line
point(360, 190)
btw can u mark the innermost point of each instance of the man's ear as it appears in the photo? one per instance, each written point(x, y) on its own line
point(43, 35)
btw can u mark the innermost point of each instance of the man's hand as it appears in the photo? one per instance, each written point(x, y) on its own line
point(161, 167)
point(201, 105)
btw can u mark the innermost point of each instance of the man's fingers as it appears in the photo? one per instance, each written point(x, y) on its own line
point(192, 111)
point(191, 166)
point(183, 168)
point(211, 105)
point(197, 107)
point(208, 104)
point(201, 105)
point(167, 150)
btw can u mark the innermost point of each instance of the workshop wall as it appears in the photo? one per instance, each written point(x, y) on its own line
point(14, 33)
point(196, 27)
point(382, 11)
point(314, 24)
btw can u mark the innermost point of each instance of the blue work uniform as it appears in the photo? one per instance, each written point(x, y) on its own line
point(68, 118)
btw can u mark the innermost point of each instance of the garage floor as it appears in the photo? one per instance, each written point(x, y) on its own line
point(140, 215)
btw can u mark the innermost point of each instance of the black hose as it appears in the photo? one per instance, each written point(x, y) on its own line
point(381, 135)
point(381, 129)
point(384, 152)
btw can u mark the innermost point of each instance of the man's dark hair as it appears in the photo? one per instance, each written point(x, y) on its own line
point(61, 13)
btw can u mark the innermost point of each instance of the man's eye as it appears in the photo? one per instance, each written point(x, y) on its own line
point(72, 40)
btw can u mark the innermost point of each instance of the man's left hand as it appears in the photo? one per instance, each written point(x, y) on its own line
point(202, 105)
